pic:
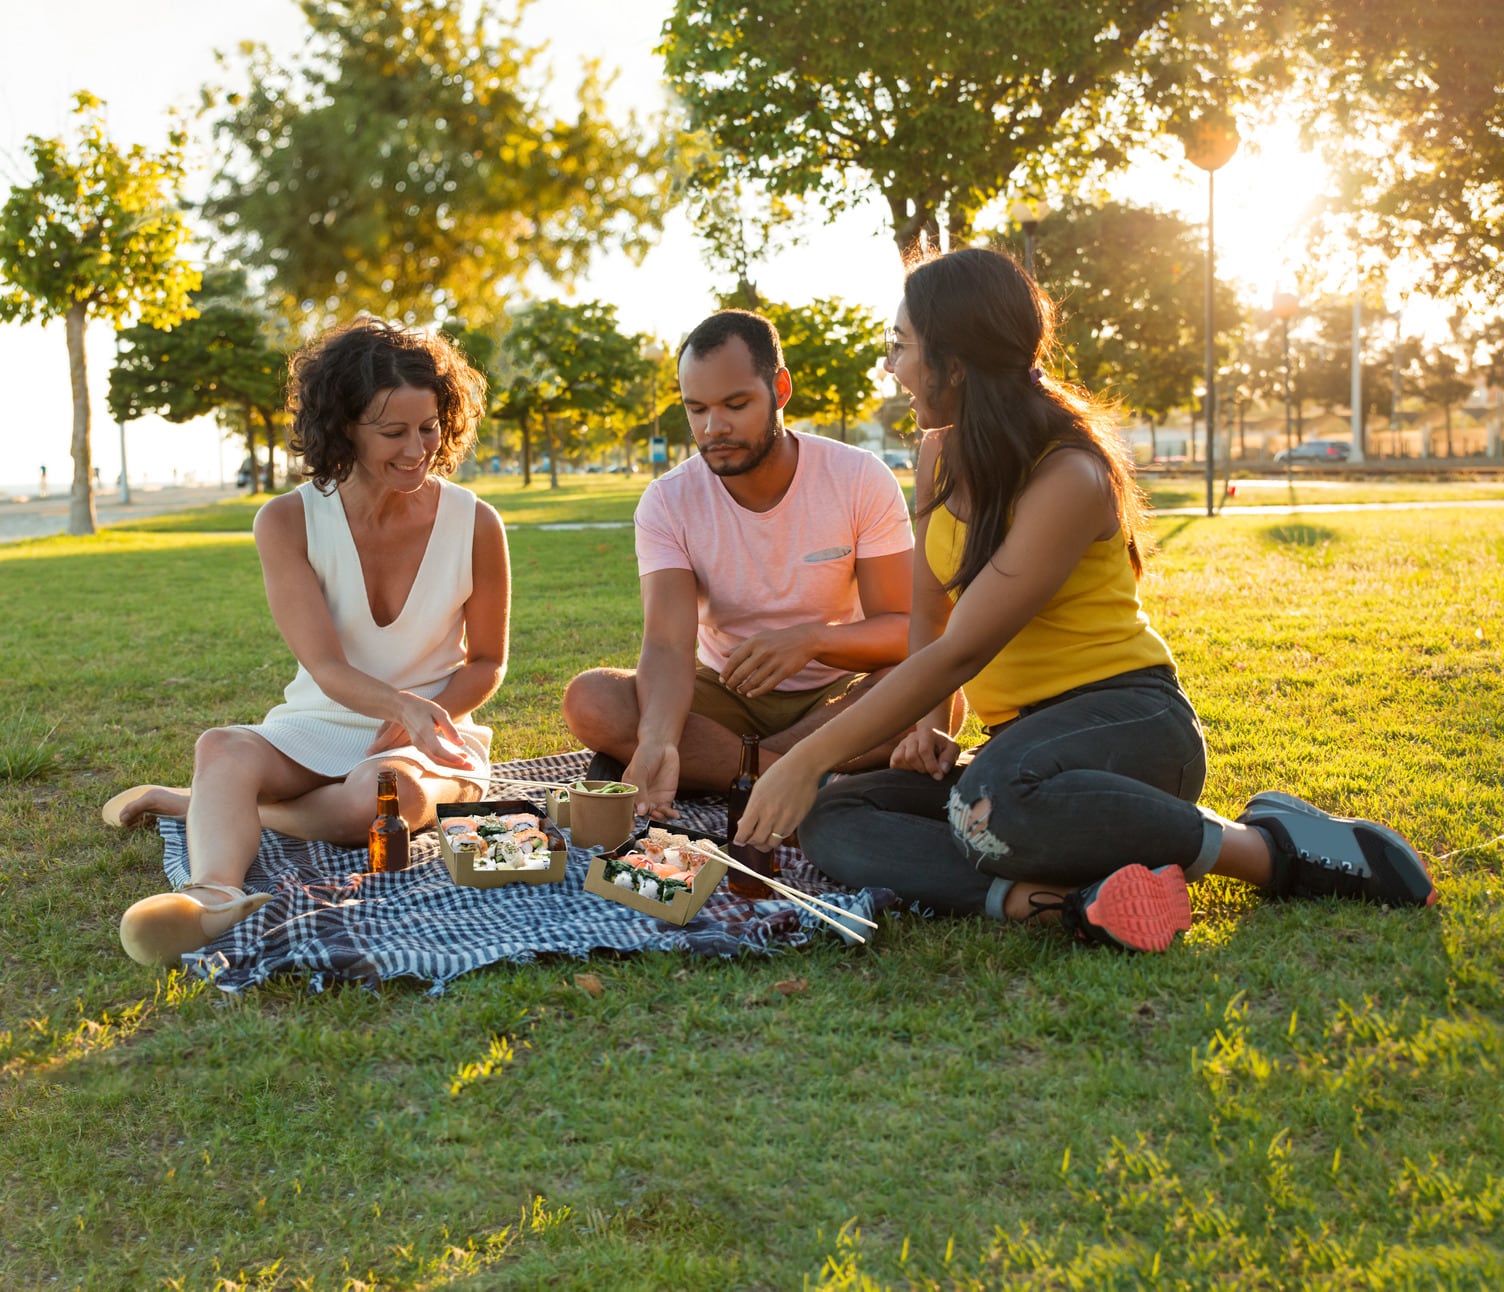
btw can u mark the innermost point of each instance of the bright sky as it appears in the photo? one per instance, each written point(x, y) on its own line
point(147, 56)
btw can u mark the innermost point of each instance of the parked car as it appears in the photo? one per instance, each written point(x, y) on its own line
point(898, 460)
point(1316, 451)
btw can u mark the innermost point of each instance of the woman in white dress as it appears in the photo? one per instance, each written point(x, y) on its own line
point(391, 586)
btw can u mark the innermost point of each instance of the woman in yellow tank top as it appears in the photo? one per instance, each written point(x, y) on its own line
point(1081, 806)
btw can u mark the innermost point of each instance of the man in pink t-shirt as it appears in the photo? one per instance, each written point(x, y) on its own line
point(781, 560)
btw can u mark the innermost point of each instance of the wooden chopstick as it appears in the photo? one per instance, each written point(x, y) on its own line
point(535, 785)
point(806, 900)
point(778, 884)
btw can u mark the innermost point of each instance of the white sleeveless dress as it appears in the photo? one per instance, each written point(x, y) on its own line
point(416, 652)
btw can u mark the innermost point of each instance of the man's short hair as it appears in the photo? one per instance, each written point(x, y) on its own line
point(759, 334)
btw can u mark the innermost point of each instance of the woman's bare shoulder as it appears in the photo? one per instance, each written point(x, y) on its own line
point(281, 519)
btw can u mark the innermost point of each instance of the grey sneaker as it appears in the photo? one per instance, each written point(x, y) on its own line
point(1135, 908)
point(1316, 854)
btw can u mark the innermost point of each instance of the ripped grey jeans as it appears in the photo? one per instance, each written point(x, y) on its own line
point(1075, 787)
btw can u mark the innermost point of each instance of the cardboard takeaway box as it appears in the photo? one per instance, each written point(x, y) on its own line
point(461, 862)
point(679, 909)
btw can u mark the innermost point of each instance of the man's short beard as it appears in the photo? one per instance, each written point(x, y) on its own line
point(758, 453)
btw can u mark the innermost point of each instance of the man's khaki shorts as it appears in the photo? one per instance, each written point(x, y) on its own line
point(767, 714)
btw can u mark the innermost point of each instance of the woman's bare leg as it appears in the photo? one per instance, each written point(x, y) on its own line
point(234, 772)
point(342, 812)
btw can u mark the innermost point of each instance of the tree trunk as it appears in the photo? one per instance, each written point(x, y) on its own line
point(1447, 413)
point(553, 451)
point(81, 505)
point(747, 293)
point(527, 450)
point(250, 443)
point(843, 423)
point(269, 479)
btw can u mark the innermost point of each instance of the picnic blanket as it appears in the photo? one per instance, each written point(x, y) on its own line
point(336, 921)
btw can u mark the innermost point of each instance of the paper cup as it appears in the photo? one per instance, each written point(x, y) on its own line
point(597, 818)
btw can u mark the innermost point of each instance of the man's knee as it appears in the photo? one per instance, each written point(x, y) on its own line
point(596, 704)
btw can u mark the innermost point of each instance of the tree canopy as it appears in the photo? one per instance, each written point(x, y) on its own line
point(830, 349)
point(1131, 284)
point(1408, 98)
point(96, 233)
point(561, 360)
point(938, 108)
point(406, 164)
point(219, 361)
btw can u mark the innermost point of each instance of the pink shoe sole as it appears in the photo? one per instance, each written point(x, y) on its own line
point(1141, 909)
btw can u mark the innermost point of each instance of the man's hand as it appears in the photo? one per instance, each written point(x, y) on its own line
point(926, 751)
point(654, 769)
point(765, 659)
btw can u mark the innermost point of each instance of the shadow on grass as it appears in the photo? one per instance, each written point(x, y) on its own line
point(1300, 535)
point(1162, 541)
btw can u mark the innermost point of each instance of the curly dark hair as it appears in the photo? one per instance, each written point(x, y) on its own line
point(334, 380)
point(980, 308)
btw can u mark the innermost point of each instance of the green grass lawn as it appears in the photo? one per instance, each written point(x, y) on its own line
point(1297, 1095)
point(597, 499)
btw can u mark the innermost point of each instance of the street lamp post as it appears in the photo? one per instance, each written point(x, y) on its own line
point(1284, 307)
point(125, 484)
point(1027, 212)
point(1209, 145)
point(654, 354)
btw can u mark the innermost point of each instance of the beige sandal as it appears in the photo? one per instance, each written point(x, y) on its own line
point(114, 811)
point(160, 930)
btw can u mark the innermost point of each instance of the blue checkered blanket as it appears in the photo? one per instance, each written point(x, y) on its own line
point(336, 921)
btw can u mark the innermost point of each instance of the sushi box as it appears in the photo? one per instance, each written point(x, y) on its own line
point(684, 905)
point(461, 862)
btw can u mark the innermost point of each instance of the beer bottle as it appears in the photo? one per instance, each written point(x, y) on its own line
point(389, 838)
point(765, 863)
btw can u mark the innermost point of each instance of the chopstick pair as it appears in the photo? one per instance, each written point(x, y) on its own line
point(807, 900)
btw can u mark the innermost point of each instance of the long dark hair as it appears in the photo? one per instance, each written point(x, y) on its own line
point(981, 309)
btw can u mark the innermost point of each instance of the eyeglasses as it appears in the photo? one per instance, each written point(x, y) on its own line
point(892, 344)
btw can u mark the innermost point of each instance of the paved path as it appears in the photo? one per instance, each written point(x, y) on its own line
point(43, 517)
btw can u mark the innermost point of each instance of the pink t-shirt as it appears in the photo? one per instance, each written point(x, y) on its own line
point(795, 564)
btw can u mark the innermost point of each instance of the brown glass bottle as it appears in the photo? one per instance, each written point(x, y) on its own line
point(389, 837)
point(740, 790)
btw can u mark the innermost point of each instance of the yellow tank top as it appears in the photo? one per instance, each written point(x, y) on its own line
point(1092, 628)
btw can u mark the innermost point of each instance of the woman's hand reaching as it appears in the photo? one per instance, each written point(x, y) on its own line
point(780, 800)
point(427, 726)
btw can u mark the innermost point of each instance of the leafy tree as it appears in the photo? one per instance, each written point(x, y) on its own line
point(95, 234)
point(1132, 285)
point(561, 362)
point(1408, 97)
point(218, 361)
point(1327, 373)
point(830, 348)
point(939, 108)
point(406, 165)
point(1437, 373)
